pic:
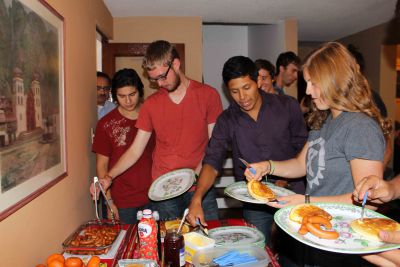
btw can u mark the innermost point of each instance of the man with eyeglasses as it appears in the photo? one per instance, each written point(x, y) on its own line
point(182, 114)
point(104, 105)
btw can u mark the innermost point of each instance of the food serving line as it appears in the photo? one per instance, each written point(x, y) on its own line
point(129, 246)
point(235, 236)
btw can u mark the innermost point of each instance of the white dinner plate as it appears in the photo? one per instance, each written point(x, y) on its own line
point(349, 242)
point(171, 184)
point(239, 191)
point(227, 236)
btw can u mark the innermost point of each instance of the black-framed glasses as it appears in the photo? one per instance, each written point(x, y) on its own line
point(108, 88)
point(161, 77)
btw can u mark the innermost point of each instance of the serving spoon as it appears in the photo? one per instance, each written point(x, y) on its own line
point(185, 213)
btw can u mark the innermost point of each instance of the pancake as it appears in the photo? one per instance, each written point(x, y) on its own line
point(370, 227)
point(260, 191)
point(298, 212)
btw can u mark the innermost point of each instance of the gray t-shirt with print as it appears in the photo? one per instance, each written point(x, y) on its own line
point(351, 135)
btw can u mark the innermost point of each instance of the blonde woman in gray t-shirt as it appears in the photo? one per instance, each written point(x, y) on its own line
point(346, 142)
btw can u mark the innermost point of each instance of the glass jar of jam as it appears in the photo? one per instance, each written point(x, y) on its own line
point(174, 249)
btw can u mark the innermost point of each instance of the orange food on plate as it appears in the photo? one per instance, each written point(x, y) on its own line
point(55, 256)
point(56, 263)
point(40, 265)
point(300, 211)
point(73, 262)
point(260, 191)
point(94, 262)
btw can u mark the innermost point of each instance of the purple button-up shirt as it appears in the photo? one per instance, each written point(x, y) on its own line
point(278, 134)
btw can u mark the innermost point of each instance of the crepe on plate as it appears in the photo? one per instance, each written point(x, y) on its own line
point(370, 227)
point(260, 191)
point(298, 212)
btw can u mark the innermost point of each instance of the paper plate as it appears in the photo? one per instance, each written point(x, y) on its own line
point(239, 191)
point(348, 242)
point(171, 184)
point(236, 235)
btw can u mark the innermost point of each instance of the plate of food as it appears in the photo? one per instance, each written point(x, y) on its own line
point(336, 227)
point(256, 192)
point(171, 184)
point(228, 236)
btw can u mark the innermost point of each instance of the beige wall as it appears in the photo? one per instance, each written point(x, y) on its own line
point(379, 60)
point(38, 229)
point(187, 30)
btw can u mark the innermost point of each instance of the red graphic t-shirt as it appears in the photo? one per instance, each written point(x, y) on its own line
point(114, 134)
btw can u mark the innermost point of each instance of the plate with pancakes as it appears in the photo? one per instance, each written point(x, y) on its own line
point(354, 236)
point(256, 192)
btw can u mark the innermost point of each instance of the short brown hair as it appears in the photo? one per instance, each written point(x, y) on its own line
point(159, 52)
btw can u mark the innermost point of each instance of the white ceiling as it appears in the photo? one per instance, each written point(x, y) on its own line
point(318, 20)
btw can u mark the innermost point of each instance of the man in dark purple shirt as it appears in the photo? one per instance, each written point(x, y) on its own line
point(257, 126)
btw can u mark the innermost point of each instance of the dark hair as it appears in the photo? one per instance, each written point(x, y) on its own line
point(126, 77)
point(358, 56)
point(266, 65)
point(159, 52)
point(239, 66)
point(286, 58)
point(104, 75)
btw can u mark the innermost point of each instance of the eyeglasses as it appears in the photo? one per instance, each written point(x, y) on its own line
point(161, 77)
point(108, 88)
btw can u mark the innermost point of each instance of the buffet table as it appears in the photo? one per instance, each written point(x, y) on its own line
point(129, 246)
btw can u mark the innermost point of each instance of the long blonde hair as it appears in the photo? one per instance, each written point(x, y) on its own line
point(342, 85)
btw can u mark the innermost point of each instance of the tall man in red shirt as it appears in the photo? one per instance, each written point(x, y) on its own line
point(182, 115)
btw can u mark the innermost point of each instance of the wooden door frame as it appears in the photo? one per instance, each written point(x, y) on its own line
point(111, 51)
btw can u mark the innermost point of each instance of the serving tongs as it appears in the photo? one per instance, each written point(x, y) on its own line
point(96, 183)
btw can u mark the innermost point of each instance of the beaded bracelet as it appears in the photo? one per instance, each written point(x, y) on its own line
point(271, 167)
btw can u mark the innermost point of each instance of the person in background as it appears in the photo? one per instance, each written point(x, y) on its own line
point(346, 141)
point(115, 133)
point(256, 126)
point(388, 174)
point(182, 114)
point(287, 67)
point(266, 74)
point(380, 191)
point(104, 105)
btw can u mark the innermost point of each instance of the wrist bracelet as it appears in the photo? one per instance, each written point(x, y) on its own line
point(271, 167)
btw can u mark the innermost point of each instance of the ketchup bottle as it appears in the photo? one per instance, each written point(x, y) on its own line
point(147, 229)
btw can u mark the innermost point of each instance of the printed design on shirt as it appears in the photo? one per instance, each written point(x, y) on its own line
point(316, 152)
point(117, 132)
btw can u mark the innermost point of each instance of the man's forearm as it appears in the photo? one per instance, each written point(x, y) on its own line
point(205, 181)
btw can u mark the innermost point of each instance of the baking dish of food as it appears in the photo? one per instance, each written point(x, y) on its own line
point(92, 238)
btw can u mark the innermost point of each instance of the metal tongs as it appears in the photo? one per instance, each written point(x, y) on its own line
point(97, 182)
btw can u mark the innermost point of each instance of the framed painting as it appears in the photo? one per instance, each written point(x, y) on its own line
point(32, 108)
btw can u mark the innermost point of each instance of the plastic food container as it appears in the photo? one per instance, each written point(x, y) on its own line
point(205, 256)
point(137, 262)
point(194, 243)
point(92, 238)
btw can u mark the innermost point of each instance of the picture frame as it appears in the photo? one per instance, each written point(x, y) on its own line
point(32, 102)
